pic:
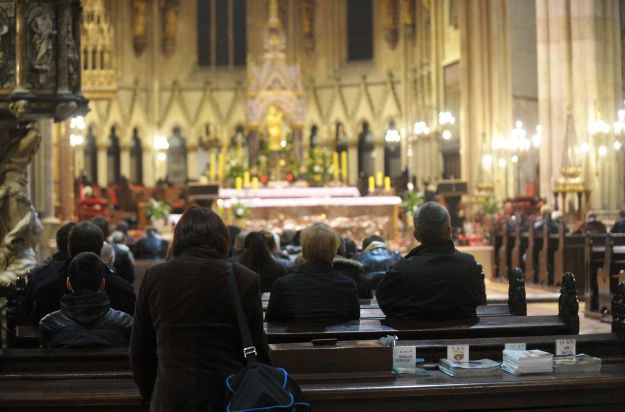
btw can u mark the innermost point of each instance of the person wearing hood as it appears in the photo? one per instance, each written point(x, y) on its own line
point(375, 256)
point(85, 319)
point(352, 268)
point(434, 281)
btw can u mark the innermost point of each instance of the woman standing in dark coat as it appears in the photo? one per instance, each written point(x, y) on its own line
point(258, 258)
point(185, 339)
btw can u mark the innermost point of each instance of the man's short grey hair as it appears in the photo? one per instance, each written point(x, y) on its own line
point(431, 222)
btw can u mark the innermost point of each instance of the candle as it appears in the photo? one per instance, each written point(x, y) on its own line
point(387, 183)
point(222, 166)
point(212, 166)
point(379, 179)
point(335, 165)
point(371, 184)
point(238, 183)
point(246, 179)
point(255, 183)
point(344, 165)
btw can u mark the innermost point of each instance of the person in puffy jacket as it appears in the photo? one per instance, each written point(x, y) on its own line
point(85, 318)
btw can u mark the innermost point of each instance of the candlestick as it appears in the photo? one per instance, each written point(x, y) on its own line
point(371, 184)
point(344, 165)
point(212, 166)
point(238, 183)
point(222, 166)
point(379, 179)
point(335, 165)
point(246, 179)
point(387, 183)
point(254, 183)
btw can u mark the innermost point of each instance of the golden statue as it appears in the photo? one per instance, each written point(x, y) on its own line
point(273, 122)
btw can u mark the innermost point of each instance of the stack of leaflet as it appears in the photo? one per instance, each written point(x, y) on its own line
point(482, 367)
point(577, 363)
point(521, 362)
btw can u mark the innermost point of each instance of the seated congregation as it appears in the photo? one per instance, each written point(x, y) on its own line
point(182, 331)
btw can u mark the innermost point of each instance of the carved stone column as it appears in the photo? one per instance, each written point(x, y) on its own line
point(37, 59)
point(192, 160)
point(125, 160)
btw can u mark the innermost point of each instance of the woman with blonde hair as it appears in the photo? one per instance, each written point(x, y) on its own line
point(315, 292)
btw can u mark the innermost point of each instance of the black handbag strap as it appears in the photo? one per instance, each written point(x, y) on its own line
point(249, 350)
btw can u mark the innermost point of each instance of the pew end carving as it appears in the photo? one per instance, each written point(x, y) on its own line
point(618, 309)
point(14, 297)
point(517, 302)
point(568, 305)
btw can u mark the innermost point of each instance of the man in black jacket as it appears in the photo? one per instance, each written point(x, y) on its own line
point(124, 262)
point(84, 237)
point(434, 281)
point(50, 268)
point(85, 318)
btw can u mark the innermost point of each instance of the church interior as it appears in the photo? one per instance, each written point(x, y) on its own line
point(292, 118)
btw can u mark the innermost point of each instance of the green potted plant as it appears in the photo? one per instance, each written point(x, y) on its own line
point(157, 212)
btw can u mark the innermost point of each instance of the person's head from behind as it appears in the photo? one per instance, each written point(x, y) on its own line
point(546, 211)
point(122, 227)
point(117, 237)
point(201, 227)
point(239, 241)
point(85, 237)
point(319, 244)
point(150, 231)
point(103, 224)
point(374, 240)
point(591, 216)
point(270, 240)
point(621, 214)
point(432, 223)
point(86, 273)
point(256, 250)
point(350, 247)
point(107, 254)
point(62, 238)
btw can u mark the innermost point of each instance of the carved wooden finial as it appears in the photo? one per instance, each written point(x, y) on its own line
point(517, 302)
point(618, 309)
point(568, 305)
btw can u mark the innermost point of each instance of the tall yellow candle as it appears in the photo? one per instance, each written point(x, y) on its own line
point(371, 184)
point(387, 183)
point(255, 183)
point(335, 165)
point(344, 165)
point(246, 179)
point(238, 183)
point(222, 166)
point(212, 166)
point(379, 179)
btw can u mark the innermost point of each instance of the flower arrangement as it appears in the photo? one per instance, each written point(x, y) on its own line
point(235, 165)
point(157, 210)
point(240, 211)
point(490, 207)
point(411, 202)
point(319, 166)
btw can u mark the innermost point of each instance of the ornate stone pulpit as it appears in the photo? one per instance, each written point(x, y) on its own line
point(39, 78)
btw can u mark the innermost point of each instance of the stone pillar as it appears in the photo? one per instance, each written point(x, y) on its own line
point(192, 167)
point(102, 179)
point(352, 163)
point(486, 109)
point(65, 171)
point(125, 160)
point(579, 60)
point(148, 167)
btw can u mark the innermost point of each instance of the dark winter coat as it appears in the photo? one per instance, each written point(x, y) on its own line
point(315, 292)
point(185, 339)
point(85, 320)
point(379, 259)
point(355, 271)
point(432, 282)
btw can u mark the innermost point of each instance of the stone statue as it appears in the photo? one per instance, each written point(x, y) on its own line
point(517, 301)
point(4, 29)
point(273, 122)
point(43, 34)
point(170, 24)
point(139, 25)
point(19, 224)
point(73, 63)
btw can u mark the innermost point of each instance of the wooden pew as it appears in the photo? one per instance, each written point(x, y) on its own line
point(594, 251)
point(607, 276)
point(519, 247)
point(569, 257)
point(549, 246)
point(530, 252)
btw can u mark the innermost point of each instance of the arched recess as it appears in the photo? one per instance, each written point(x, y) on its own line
point(136, 158)
point(340, 137)
point(177, 157)
point(314, 136)
point(91, 156)
point(392, 151)
point(366, 152)
point(113, 157)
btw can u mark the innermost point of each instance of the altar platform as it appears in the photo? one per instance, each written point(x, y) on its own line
point(294, 208)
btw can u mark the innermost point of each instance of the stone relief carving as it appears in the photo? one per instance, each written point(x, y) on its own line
point(73, 59)
point(170, 9)
point(7, 49)
point(307, 11)
point(390, 18)
point(19, 224)
point(42, 34)
point(139, 25)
